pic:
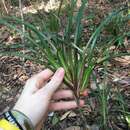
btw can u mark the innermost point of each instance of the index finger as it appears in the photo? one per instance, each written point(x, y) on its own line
point(54, 82)
point(37, 81)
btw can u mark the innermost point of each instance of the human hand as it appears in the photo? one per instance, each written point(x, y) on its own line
point(35, 100)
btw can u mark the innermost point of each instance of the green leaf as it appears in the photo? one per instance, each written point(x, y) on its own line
point(79, 17)
point(128, 119)
point(86, 76)
point(63, 64)
point(55, 119)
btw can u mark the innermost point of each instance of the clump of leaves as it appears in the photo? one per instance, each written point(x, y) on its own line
point(54, 44)
point(51, 47)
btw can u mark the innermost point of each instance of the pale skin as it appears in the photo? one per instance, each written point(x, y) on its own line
point(39, 92)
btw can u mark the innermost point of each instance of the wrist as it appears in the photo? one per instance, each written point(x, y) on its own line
point(23, 120)
point(19, 119)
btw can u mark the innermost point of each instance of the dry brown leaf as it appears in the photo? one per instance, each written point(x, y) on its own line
point(68, 114)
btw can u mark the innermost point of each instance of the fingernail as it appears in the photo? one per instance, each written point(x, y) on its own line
point(85, 93)
point(60, 72)
point(82, 102)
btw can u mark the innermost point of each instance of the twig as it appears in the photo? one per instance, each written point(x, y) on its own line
point(22, 18)
point(3, 1)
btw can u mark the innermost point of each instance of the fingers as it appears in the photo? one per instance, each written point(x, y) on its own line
point(84, 93)
point(62, 94)
point(64, 105)
point(43, 77)
point(55, 82)
point(37, 81)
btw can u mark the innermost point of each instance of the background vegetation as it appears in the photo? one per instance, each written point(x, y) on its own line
point(86, 38)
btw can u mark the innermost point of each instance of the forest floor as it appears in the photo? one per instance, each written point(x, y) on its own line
point(15, 71)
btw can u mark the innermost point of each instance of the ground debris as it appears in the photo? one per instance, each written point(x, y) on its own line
point(13, 74)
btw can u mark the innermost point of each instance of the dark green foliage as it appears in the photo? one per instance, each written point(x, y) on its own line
point(68, 49)
point(54, 44)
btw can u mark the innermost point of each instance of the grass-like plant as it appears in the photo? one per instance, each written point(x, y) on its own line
point(68, 49)
point(54, 44)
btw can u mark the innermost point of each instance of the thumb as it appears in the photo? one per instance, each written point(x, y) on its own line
point(55, 82)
